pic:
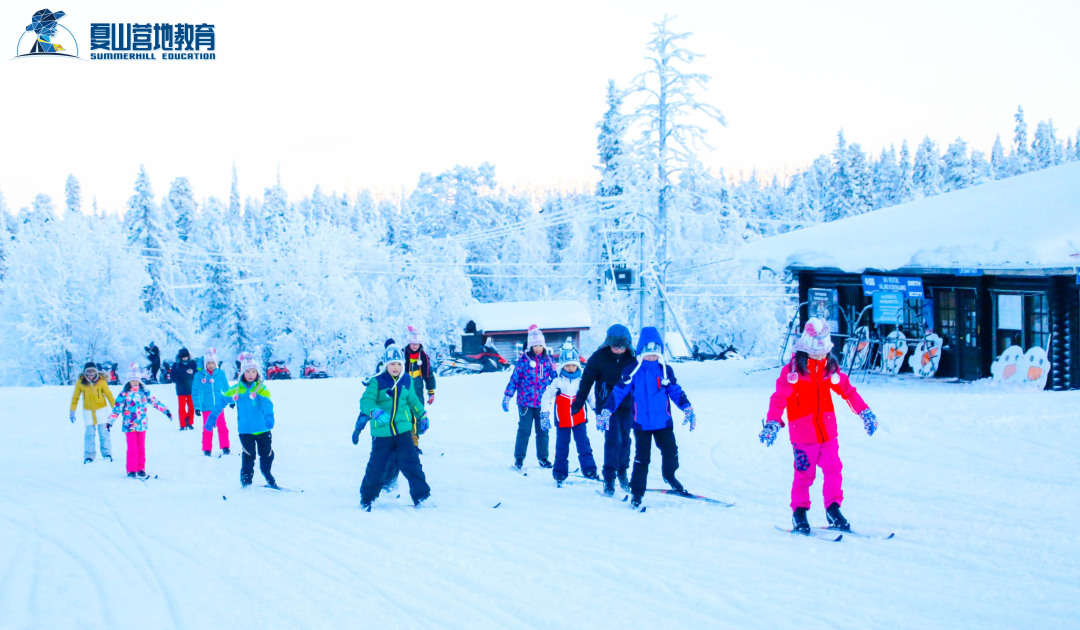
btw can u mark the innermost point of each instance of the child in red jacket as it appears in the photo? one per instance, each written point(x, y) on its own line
point(805, 389)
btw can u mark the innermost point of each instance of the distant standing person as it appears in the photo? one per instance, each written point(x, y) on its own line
point(154, 356)
point(418, 367)
point(182, 374)
point(603, 372)
point(97, 400)
point(533, 372)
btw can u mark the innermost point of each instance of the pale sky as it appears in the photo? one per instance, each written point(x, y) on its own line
point(371, 94)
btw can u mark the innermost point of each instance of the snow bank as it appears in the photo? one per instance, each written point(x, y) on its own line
point(1028, 221)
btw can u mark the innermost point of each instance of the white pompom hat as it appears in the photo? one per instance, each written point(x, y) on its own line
point(816, 337)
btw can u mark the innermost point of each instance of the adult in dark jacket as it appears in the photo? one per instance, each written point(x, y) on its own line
point(154, 356)
point(603, 372)
point(182, 373)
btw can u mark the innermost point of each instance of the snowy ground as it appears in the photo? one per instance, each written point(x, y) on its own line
point(979, 484)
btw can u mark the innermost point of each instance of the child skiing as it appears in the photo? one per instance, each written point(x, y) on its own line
point(182, 373)
point(560, 395)
point(208, 390)
point(418, 367)
point(532, 374)
point(131, 407)
point(652, 383)
point(254, 420)
point(393, 408)
point(805, 389)
point(95, 394)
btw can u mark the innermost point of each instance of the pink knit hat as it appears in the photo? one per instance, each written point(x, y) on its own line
point(816, 337)
point(413, 336)
point(210, 355)
point(248, 362)
point(134, 372)
point(536, 337)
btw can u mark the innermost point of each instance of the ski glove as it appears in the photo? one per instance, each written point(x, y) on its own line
point(869, 421)
point(198, 412)
point(377, 415)
point(768, 432)
point(690, 417)
point(506, 403)
point(210, 423)
point(108, 426)
point(431, 398)
point(361, 422)
point(603, 421)
point(232, 405)
point(422, 425)
point(545, 420)
point(168, 414)
point(72, 416)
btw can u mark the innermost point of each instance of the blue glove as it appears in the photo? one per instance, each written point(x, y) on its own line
point(72, 417)
point(361, 422)
point(545, 420)
point(422, 425)
point(768, 432)
point(603, 421)
point(232, 405)
point(690, 417)
point(377, 416)
point(869, 421)
point(211, 422)
point(506, 403)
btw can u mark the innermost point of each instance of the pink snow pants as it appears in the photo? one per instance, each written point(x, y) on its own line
point(807, 458)
point(136, 451)
point(208, 436)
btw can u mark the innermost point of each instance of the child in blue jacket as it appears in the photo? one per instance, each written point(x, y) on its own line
point(652, 384)
point(208, 393)
point(254, 420)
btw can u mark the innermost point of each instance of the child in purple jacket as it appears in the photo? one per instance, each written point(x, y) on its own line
point(533, 372)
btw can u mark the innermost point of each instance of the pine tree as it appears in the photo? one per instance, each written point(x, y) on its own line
point(146, 231)
point(43, 209)
point(886, 179)
point(958, 172)
point(1021, 157)
point(72, 195)
point(905, 188)
point(1044, 146)
point(926, 170)
point(182, 201)
point(998, 163)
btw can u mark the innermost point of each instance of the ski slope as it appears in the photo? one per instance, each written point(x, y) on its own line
point(979, 484)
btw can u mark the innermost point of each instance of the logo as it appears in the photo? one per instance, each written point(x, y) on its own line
point(161, 41)
point(44, 37)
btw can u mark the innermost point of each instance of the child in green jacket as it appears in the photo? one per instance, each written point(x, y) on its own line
point(392, 406)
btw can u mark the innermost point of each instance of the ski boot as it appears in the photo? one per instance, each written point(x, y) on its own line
point(418, 503)
point(591, 475)
point(365, 506)
point(609, 487)
point(270, 481)
point(245, 481)
point(207, 453)
point(624, 482)
point(88, 460)
point(836, 519)
point(677, 487)
point(545, 463)
point(635, 501)
point(518, 463)
point(799, 524)
point(142, 474)
point(559, 482)
point(108, 457)
point(225, 451)
point(131, 474)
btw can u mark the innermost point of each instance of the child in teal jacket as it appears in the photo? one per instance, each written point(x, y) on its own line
point(254, 419)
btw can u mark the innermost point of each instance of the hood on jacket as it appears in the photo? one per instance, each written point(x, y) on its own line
point(650, 342)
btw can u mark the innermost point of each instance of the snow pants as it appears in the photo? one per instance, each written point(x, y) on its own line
point(580, 433)
point(95, 423)
point(208, 436)
point(187, 411)
point(617, 443)
point(528, 421)
point(261, 444)
point(401, 448)
point(136, 451)
point(807, 458)
point(669, 457)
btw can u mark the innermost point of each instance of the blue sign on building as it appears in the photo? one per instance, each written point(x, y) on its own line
point(909, 286)
point(888, 306)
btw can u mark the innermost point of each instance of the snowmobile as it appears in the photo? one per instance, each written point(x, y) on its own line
point(705, 351)
point(313, 369)
point(108, 371)
point(487, 360)
point(277, 370)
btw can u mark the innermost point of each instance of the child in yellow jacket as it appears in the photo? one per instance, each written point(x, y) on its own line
point(97, 402)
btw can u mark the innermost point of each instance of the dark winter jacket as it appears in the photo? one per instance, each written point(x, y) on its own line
point(398, 401)
point(532, 374)
point(604, 370)
point(154, 356)
point(650, 385)
point(182, 373)
point(418, 367)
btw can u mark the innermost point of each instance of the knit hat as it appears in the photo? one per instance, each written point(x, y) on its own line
point(248, 362)
point(536, 336)
point(618, 335)
point(134, 372)
point(393, 354)
point(211, 355)
point(389, 342)
point(89, 364)
point(183, 353)
point(568, 354)
point(816, 338)
point(413, 336)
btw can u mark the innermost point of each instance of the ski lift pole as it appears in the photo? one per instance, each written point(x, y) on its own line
point(671, 308)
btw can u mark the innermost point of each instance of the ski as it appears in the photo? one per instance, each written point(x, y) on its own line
point(580, 476)
point(521, 471)
point(625, 499)
point(874, 535)
point(496, 505)
point(281, 488)
point(687, 495)
point(815, 533)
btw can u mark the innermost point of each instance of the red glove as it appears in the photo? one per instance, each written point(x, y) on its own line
point(431, 398)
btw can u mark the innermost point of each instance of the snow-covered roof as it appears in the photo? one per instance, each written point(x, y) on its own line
point(1030, 221)
point(547, 314)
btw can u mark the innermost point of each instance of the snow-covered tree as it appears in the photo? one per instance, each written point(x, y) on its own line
point(72, 194)
point(1046, 151)
point(958, 172)
point(926, 170)
point(146, 233)
point(998, 162)
point(182, 201)
point(1021, 156)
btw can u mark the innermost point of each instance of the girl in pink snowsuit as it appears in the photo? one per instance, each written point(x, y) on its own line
point(805, 389)
point(131, 407)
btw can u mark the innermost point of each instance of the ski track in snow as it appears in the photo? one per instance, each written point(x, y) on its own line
point(979, 484)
